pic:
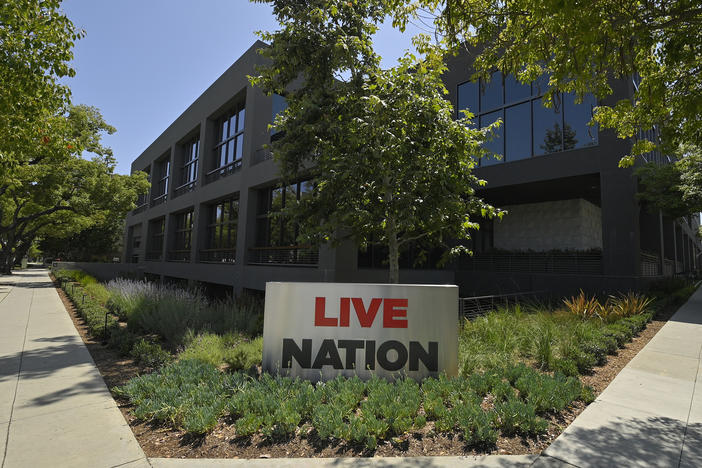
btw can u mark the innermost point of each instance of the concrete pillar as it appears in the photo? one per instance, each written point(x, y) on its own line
point(620, 223)
point(662, 243)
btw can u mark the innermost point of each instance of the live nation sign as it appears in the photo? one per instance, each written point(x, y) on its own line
point(320, 330)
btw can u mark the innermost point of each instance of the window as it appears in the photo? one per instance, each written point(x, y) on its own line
point(133, 243)
point(182, 237)
point(276, 234)
point(159, 192)
point(279, 105)
point(548, 130)
point(222, 222)
point(157, 228)
point(496, 144)
point(229, 150)
point(576, 132)
point(188, 170)
point(518, 131)
point(491, 96)
point(529, 129)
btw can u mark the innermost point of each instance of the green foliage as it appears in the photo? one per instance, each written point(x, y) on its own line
point(190, 394)
point(389, 162)
point(560, 340)
point(171, 312)
point(582, 306)
point(149, 354)
point(580, 48)
point(49, 190)
point(236, 351)
point(674, 188)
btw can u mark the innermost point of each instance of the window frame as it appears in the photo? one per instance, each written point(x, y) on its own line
point(232, 138)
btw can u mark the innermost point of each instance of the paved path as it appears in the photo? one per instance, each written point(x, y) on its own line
point(55, 409)
point(651, 413)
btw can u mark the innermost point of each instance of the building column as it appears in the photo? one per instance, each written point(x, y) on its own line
point(620, 223)
point(662, 242)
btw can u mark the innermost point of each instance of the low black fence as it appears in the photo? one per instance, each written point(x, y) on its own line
point(473, 307)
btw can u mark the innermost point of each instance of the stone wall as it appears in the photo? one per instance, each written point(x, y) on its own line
point(557, 225)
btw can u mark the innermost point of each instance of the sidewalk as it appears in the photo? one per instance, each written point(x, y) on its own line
point(55, 409)
point(651, 413)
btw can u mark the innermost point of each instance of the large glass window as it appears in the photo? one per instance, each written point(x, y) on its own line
point(229, 150)
point(518, 131)
point(274, 229)
point(496, 144)
point(221, 232)
point(182, 237)
point(576, 132)
point(491, 93)
point(276, 234)
point(529, 129)
point(516, 91)
point(157, 229)
point(468, 98)
point(160, 187)
point(279, 105)
point(548, 130)
point(191, 152)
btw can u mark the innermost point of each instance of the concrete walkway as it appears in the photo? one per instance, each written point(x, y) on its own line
point(55, 409)
point(651, 413)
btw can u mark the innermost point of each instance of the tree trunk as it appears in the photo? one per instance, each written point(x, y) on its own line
point(6, 261)
point(393, 251)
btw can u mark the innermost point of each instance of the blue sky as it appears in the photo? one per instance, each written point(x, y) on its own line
point(142, 63)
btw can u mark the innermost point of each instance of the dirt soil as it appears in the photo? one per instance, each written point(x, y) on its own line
point(162, 441)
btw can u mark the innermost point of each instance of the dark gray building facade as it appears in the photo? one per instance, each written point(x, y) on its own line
point(574, 220)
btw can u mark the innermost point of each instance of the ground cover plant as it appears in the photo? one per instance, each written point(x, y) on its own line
point(152, 323)
point(194, 395)
point(520, 368)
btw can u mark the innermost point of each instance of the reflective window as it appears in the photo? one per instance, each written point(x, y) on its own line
point(468, 98)
point(494, 145)
point(516, 91)
point(518, 132)
point(230, 149)
point(576, 132)
point(491, 93)
point(279, 105)
point(548, 130)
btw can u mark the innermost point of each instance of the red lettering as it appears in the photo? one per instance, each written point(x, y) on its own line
point(366, 318)
point(319, 319)
point(392, 310)
point(344, 312)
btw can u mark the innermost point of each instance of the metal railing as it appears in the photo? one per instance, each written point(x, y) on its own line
point(650, 264)
point(153, 255)
point(260, 155)
point(185, 188)
point(223, 171)
point(159, 199)
point(140, 209)
point(290, 255)
point(181, 255)
point(535, 262)
point(218, 256)
point(473, 307)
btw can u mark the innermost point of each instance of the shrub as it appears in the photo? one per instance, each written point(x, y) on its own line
point(245, 355)
point(122, 340)
point(582, 306)
point(150, 354)
point(189, 394)
point(517, 417)
point(626, 305)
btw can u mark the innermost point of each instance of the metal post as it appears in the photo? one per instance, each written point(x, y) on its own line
point(104, 332)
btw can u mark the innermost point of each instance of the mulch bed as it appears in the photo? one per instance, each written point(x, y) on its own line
point(162, 441)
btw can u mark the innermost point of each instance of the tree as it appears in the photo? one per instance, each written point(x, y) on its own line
point(35, 45)
point(51, 191)
point(674, 188)
point(388, 160)
point(580, 46)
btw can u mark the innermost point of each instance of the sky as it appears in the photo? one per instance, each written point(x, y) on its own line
point(143, 62)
